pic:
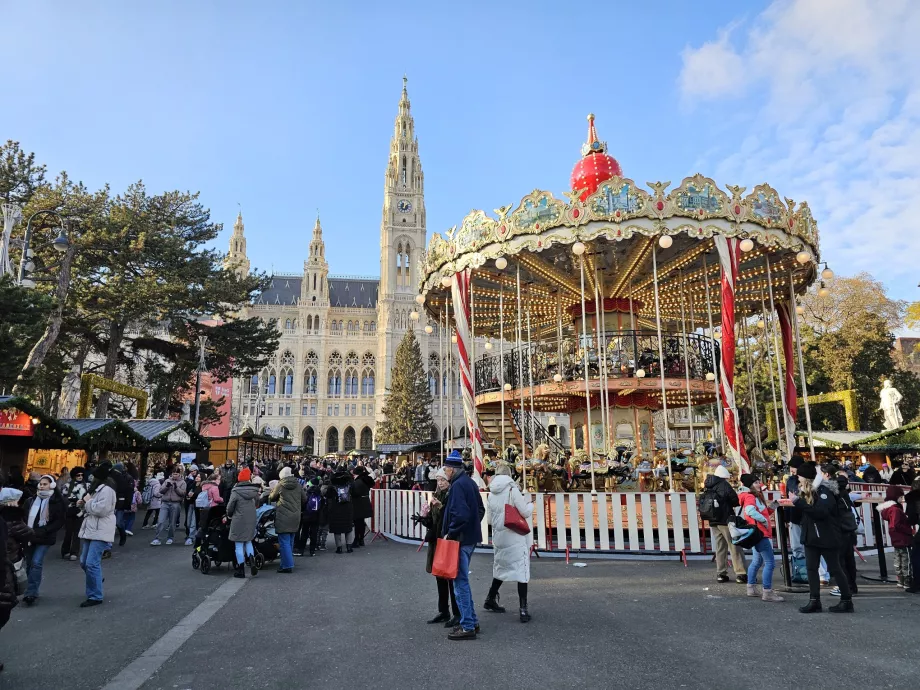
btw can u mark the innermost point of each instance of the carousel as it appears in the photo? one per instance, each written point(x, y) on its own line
point(615, 303)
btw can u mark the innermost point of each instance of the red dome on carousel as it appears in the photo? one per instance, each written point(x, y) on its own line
point(595, 165)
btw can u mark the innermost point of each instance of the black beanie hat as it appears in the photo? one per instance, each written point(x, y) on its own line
point(797, 461)
point(808, 470)
point(748, 480)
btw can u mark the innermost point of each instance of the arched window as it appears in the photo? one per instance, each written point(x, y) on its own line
point(287, 382)
point(309, 381)
point(434, 364)
point(251, 385)
point(332, 440)
point(311, 359)
point(404, 170)
point(287, 324)
point(351, 383)
point(348, 439)
point(335, 375)
point(367, 439)
point(309, 439)
point(368, 361)
point(310, 322)
point(399, 269)
point(270, 380)
point(435, 432)
point(365, 327)
point(373, 326)
point(284, 432)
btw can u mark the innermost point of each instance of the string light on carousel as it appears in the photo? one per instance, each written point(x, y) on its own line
point(620, 302)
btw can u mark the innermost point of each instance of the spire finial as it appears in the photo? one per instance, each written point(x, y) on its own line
point(593, 145)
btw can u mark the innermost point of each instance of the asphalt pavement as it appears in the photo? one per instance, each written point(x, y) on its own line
point(358, 620)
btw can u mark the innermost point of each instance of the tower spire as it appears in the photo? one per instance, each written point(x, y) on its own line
point(236, 257)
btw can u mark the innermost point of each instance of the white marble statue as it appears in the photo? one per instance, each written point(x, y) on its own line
point(889, 405)
point(187, 411)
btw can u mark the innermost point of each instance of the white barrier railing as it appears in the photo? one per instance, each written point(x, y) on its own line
point(649, 523)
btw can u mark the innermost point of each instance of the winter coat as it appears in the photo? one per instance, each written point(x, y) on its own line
point(288, 497)
point(156, 500)
point(899, 528)
point(17, 534)
point(8, 598)
point(361, 495)
point(241, 509)
point(726, 496)
point(464, 510)
point(320, 517)
point(173, 491)
point(871, 475)
point(756, 513)
point(912, 503)
point(124, 489)
point(341, 513)
point(793, 513)
point(820, 520)
point(45, 535)
point(72, 492)
point(212, 486)
point(511, 562)
point(902, 478)
point(99, 514)
point(433, 523)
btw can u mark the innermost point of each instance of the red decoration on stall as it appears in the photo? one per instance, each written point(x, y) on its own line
point(15, 422)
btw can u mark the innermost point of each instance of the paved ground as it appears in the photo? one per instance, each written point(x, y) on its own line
point(358, 621)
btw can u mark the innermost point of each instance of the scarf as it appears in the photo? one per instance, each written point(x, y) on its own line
point(40, 508)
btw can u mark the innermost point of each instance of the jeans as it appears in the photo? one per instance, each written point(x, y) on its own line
point(191, 519)
point(762, 556)
point(286, 544)
point(813, 556)
point(722, 542)
point(91, 562)
point(120, 519)
point(130, 517)
point(154, 513)
point(468, 619)
point(35, 559)
point(169, 516)
point(240, 547)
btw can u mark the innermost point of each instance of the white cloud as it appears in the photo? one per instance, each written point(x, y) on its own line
point(831, 91)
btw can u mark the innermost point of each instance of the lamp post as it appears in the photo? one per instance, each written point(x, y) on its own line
point(60, 244)
point(202, 366)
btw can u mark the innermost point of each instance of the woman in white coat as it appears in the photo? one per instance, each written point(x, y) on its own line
point(512, 550)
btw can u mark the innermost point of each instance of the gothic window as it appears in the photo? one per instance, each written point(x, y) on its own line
point(404, 170)
point(251, 385)
point(351, 359)
point(348, 439)
point(287, 325)
point(367, 383)
point(341, 326)
point(314, 282)
point(367, 439)
point(270, 381)
point(284, 432)
point(332, 440)
point(351, 383)
point(311, 358)
point(287, 382)
point(309, 323)
point(373, 326)
point(335, 375)
point(309, 381)
point(406, 274)
point(309, 437)
point(287, 359)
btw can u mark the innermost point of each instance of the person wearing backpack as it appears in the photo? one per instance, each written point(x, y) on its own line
point(153, 499)
point(848, 548)
point(361, 487)
point(757, 512)
point(314, 512)
point(339, 496)
point(717, 504)
point(288, 497)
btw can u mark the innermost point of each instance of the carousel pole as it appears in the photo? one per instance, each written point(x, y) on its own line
point(715, 367)
point(768, 326)
point(501, 356)
point(683, 325)
point(448, 338)
point(559, 335)
point(790, 437)
point(798, 346)
point(750, 369)
point(600, 332)
point(664, 394)
point(520, 348)
point(584, 336)
point(533, 430)
point(441, 370)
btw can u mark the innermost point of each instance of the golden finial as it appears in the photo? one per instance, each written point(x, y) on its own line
point(590, 117)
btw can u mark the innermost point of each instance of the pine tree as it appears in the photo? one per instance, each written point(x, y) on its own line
point(407, 408)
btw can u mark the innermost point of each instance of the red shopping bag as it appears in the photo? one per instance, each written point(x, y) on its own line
point(446, 559)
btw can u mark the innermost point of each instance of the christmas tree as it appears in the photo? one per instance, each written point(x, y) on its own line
point(407, 407)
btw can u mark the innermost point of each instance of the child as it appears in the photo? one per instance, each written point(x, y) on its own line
point(899, 530)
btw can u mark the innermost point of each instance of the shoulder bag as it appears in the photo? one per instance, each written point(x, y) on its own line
point(513, 518)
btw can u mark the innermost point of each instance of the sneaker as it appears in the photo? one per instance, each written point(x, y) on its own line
point(835, 592)
point(73, 558)
point(106, 554)
point(461, 634)
point(129, 533)
point(90, 602)
point(753, 591)
point(453, 622)
point(722, 578)
point(298, 553)
point(771, 596)
point(741, 579)
point(155, 542)
point(188, 542)
point(168, 542)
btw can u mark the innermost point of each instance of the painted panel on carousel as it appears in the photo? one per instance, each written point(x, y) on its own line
point(618, 200)
point(538, 210)
point(699, 197)
point(766, 208)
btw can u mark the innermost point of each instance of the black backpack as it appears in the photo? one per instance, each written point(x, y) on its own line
point(846, 517)
point(709, 506)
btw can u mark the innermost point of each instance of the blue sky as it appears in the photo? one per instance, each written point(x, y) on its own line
point(286, 107)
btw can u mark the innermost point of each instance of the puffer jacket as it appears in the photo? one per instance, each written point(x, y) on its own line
point(45, 536)
point(726, 496)
point(241, 509)
point(361, 494)
point(99, 513)
point(212, 487)
point(288, 497)
point(821, 520)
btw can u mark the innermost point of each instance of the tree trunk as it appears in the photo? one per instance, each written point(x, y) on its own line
point(116, 334)
point(52, 330)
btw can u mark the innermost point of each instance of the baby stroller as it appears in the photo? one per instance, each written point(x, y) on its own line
point(265, 544)
point(215, 546)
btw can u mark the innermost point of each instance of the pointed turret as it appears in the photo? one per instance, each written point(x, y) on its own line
point(236, 257)
point(315, 268)
point(595, 166)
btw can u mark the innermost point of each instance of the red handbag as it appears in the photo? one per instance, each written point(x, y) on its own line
point(513, 518)
point(446, 559)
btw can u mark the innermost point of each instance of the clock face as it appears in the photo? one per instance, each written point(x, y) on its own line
point(404, 206)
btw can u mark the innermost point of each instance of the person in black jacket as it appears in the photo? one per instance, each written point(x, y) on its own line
point(848, 542)
point(912, 504)
point(339, 497)
point(363, 483)
point(124, 493)
point(721, 537)
point(44, 517)
point(903, 476)
point(822, 536)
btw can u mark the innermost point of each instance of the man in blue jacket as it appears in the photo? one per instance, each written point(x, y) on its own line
point(462, 518)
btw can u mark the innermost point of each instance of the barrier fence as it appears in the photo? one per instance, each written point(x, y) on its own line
point(626, 523)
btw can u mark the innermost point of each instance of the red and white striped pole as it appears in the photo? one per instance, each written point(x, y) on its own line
point(460, 291)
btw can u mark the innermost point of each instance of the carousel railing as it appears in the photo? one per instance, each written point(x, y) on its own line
point(625, 353)
point(534, 433)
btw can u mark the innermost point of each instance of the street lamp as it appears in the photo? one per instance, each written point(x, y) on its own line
point(60, 244)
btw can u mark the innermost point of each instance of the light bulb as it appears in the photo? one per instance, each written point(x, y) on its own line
point(453, 339)
point(710, 376)
point(827, 274)
point(413, 315)
point(507, 386)
point(640, 373)
point(803, 257)
point(446, 281)
point(823, 291)
point(578, 248)
point(488, 344)
point(557, 377)
point(800, 310)
point(420, 299)
point(746, 245)
point(665, 241)
point(428, 329)
point(501, 263)
point(717, 335)
point(551, 420)
point(761, 324)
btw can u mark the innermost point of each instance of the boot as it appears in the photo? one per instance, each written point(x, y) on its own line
point(253, 570)
point(239, 572)
point(900, 581)
point(122, 536)
point(440, 618)
point(348, 549)
point(492, 604)
point(453, 622)
point(813, 606)
point(753, 590)
point(845, 606)
point(771, 596)
point(525, 614)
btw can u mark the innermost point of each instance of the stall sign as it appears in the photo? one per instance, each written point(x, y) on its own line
point(15, 423)
point(179, 436)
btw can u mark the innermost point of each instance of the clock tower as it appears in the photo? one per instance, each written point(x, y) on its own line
point(402, 236)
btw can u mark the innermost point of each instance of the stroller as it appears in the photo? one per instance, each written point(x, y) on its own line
point(265, 544)
point(214, 547)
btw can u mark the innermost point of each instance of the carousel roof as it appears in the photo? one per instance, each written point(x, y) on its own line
point(595, 166)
